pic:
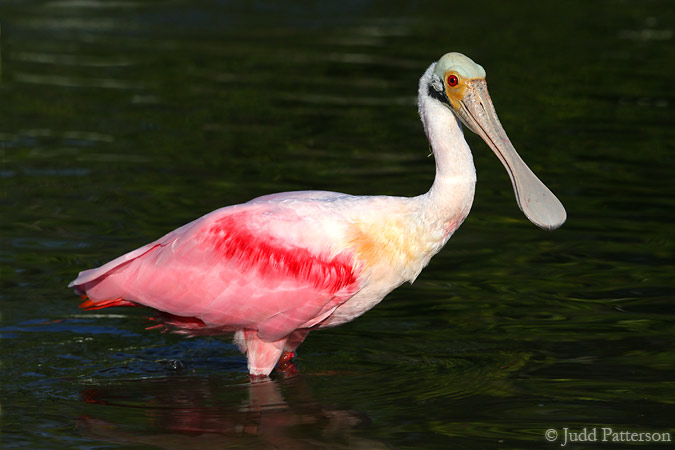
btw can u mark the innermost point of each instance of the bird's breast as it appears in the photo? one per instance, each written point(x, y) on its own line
point(395, 250)
point(387, 253)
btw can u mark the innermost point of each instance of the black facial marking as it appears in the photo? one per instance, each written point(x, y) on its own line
point(440, 96)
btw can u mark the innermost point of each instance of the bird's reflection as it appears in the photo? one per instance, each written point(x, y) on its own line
point(204, 413)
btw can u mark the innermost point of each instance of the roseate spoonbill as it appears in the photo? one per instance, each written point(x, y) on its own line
point(275, 268)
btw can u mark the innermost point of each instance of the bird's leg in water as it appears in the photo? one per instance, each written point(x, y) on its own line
point(286, 366)
point(258, 378)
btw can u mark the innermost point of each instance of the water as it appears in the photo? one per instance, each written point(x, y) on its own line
point(123, 120)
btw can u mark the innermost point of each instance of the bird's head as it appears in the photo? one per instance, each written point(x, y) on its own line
point(459, 83)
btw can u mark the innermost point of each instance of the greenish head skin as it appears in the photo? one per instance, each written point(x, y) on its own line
point(456, 62)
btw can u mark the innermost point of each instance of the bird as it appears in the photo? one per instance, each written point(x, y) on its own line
point(274, 269)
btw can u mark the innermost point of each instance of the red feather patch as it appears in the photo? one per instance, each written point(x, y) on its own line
point(274, 258)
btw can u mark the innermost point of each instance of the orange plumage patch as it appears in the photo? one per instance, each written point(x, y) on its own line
point(89, 305)
point(382, 242)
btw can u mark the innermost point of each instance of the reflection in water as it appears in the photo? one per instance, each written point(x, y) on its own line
point(176, 413)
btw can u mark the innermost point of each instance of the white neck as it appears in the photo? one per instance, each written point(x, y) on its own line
point(451, 196)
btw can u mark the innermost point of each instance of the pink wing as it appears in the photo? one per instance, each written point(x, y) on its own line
point(261, 265)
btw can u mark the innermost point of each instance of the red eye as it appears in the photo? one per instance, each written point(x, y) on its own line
point(452, 80)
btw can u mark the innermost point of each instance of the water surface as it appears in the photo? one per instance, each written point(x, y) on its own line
point(123, 120)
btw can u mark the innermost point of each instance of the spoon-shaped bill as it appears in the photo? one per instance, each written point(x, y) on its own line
point(536, 201)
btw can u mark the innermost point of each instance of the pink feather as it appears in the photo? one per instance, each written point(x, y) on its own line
point(232, 269)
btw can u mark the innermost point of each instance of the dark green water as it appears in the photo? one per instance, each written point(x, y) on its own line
point(122, 120)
